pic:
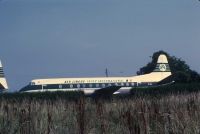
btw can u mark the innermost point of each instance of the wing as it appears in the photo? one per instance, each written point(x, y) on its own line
point(105, 92)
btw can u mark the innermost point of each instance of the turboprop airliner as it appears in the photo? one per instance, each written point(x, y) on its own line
point(3, 82)
point(103, 85)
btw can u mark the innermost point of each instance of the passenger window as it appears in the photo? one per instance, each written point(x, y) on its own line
point(71, 86)
point(32, 83)
point(60, 86)
point(103, 85)
point(83, 85)
point(78, 86)
point(97, 85)
point(90, 85)
point(149, 84)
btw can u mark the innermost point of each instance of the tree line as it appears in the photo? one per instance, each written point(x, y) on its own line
point(181, 71)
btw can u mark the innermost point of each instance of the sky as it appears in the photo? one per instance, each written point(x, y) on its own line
point(80, 38)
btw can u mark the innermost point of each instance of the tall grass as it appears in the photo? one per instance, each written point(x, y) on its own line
point(145, 114)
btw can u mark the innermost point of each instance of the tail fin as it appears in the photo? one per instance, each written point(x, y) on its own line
point(162, 64)
point(3, 82)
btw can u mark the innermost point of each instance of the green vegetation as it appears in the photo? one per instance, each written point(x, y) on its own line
point(18, 96)
point(166, 90)
point(154, 111)
point(180, 70)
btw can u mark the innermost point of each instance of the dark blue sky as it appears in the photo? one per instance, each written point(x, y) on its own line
point(77, 38)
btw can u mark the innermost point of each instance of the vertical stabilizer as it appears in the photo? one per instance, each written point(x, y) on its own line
point(162, 64)
point(3, 82)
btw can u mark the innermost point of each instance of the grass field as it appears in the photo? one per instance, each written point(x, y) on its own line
point(59, 113)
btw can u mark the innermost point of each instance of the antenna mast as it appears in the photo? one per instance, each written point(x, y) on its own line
point(106, 72)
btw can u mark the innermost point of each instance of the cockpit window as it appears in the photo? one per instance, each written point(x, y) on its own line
point(32, 83)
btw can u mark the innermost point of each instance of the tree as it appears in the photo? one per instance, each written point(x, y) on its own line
point(181, 72)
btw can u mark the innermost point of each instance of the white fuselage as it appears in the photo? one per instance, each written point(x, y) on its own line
point(108, 84)
point(89, 85)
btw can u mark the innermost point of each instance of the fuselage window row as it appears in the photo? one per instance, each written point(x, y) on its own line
point(33, 86)
point(89, 85)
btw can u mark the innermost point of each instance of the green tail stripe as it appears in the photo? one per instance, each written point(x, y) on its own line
point(162, 67)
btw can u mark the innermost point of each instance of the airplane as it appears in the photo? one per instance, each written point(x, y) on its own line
point(103, 85)
point(3, 82)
